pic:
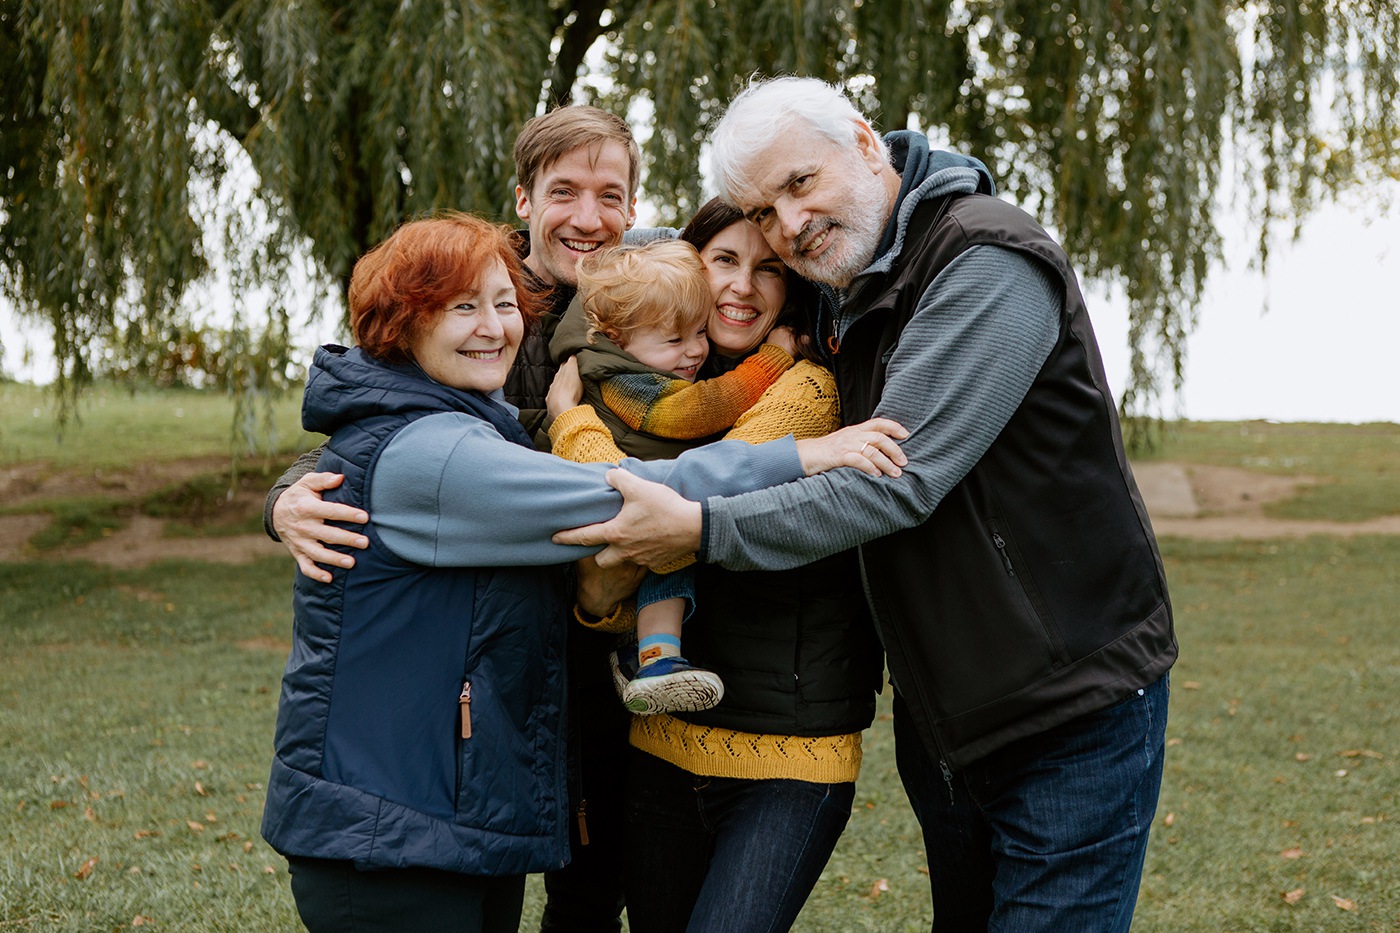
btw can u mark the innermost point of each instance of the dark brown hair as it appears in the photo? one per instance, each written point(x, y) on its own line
point(799, 310)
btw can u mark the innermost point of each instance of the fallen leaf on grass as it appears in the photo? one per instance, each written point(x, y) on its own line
point(248, 846)
point(200, 765)
point(89, 814)
point(145, 833)
point(1292, 853)
point(878, 887)
point(1294, 896)
point(57, 804)
point(1169, 819)
point(1302, 756)
point(1190, 685)
point(1343, 903)
point(82, 873)
point(1340, 773)
point(141, 920)
point(269, 870)
point(1173, 743)
point(923, 869)
point(1361, 753)
point(199, 789)
point(197, 827)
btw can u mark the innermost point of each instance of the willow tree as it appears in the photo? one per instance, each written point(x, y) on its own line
point(1112, 119)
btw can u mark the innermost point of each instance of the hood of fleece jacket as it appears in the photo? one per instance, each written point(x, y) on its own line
point(347, 385)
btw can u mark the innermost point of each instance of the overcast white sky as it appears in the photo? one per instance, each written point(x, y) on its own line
point(1324, 350)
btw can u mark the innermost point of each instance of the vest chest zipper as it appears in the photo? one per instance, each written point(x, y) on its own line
point(464, 703)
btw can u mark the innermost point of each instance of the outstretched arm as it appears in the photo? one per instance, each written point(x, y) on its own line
point(656, 527)
point(449, 491)
point(685, 410)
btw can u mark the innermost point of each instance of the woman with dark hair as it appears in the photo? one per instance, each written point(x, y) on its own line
point(420, 756)
point(733, 812)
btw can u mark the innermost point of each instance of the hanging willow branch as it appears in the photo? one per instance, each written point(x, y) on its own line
point(1111, 119)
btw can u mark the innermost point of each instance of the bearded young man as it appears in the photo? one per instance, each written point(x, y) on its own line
point(1012, 567)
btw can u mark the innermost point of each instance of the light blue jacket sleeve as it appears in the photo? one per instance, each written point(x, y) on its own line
point(449, 491)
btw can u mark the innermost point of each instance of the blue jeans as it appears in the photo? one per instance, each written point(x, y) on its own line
point(679, 584)
point(724, 854)
point(1048, 833)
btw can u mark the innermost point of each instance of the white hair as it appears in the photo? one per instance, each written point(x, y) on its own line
point(764, 111)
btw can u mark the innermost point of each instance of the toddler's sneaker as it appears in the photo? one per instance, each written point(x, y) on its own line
point(672, 685)
point(623, 661)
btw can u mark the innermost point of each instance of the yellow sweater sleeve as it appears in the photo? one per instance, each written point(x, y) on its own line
point(803, 402)
point(580, 435)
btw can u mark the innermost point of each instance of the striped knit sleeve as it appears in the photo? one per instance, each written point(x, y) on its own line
point(684, 410)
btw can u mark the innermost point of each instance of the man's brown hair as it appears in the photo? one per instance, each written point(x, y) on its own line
point(544, 139)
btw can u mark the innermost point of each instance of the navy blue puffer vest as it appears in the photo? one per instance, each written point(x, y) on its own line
point(393, 664)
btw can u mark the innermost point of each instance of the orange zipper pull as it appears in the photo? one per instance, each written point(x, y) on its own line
point(464, 702)
point(582, 822)
point(833, 343)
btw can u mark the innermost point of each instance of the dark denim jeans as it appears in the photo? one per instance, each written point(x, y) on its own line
point(1048, 833)
point(586, 895)
point(722, 854)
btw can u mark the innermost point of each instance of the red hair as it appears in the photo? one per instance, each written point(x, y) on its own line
point(399, 288)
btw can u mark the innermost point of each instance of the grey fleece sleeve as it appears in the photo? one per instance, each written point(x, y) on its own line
point(448, 491)
point(964, 363)
point(306, 463)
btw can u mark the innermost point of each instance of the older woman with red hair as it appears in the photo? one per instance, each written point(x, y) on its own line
point(420, 753)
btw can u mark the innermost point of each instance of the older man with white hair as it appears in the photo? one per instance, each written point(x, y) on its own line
point(1012, 567)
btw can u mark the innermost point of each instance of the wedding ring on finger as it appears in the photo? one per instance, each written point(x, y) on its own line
point(863, 450)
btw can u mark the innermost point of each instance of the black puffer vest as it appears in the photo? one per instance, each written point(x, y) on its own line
point(1035, 592)
point(796, 648)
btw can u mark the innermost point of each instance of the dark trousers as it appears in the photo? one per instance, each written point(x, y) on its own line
point(586, 895)
point(1048, 833)
point(723, 855)
point(334, 897)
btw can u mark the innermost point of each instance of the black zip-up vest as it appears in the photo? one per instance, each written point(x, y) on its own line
point(796, 648)
point(1035, 592)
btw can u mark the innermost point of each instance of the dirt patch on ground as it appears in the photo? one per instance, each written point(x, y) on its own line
point(29, 483)
point(1224, 503)
point(1184, 500)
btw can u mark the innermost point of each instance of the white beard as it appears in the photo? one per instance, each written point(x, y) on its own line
point(857, 227)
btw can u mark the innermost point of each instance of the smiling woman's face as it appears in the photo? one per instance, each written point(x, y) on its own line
point(749, 284)
point(473, 341)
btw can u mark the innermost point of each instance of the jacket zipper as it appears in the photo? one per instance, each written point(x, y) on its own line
point(1000, 543)
point(464, 704)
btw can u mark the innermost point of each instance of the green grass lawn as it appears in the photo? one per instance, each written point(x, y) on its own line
point(137, 710)
point(118, 427)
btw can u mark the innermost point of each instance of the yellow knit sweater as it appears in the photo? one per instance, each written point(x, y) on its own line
point(803, 403)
